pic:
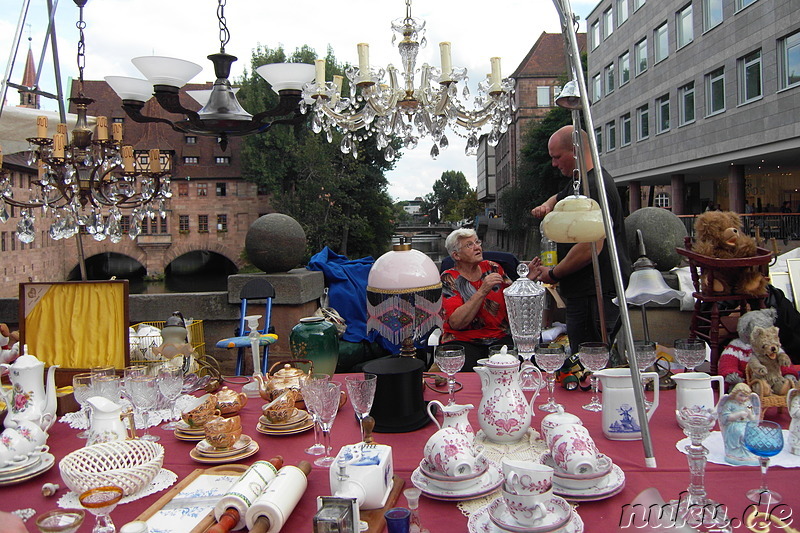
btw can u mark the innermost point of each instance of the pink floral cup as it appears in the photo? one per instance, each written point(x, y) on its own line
point(574, 451)
point(527, 509)
point(451, 453)
point(526, 477)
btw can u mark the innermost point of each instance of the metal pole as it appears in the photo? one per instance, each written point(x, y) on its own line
point(567, 19)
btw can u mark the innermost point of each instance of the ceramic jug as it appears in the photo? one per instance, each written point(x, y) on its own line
point(620, 419)
point(106, 424)
point(28, 399)
point(504, 415)
point(453, 416)
point(694, 388)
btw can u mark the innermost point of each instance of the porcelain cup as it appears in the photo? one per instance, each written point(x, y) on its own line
point(574, 451)
point(451, 453)
point(553, 420)
point(527, 509)
point(223, 432)
point(200, 411)
point(18, 443)
point(526, 477)
point(31, 431)
point(8, 456)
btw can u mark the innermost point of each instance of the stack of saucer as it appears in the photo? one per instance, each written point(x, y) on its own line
point(204, 452)
point(184, 431)
point(30, 466)
point(298, 422)
point(495, 518)
point(440, 486)
point(608, 480)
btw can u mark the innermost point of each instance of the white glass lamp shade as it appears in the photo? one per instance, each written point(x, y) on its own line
point(287, 75)
point(574, 219)
point(201, 96)
point(403, 270)
point(131, 88)
point(570, 96)
point(648, 286)
point(160, 70)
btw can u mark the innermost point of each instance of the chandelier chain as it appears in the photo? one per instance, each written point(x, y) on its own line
point(224, 34)
point(81, 25)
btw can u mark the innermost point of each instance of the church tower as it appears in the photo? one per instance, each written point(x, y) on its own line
point(28, 98)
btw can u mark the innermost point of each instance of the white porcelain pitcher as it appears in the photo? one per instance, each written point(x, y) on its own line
point(694, 388)
point(620, 419)
point(106, 424)
point(453, 416)
point(504, 414)
point(28, 398)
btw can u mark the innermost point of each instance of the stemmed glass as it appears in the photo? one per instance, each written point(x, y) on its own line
point(144, 395)
point(690, 353)
point(450, 359)
point(550, 358)
point(60, 520)
point(325, 401)
point(170, 384)
point(307, 386)
point(128, 373)
point(82, 390)
point(645, 357)
point(361, 390)
point(594, 357)
point(101, 501)
point(764, 439)
point(107, 386)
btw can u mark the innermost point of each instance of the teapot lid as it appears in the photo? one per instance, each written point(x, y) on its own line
point(562, 417)
point(27, 360)
point(288, 372)
point(503, 358)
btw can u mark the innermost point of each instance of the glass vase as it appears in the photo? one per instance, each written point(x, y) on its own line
point(317, 340)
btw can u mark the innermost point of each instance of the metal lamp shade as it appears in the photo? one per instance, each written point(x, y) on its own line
point(570, 96)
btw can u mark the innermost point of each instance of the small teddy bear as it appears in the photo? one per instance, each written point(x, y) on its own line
point(719, 234)
point(766, 362)
point(733, 360)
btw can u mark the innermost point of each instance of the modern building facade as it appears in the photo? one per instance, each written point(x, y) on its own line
point(699, 98)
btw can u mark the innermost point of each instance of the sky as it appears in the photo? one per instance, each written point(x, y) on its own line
point(118, 30)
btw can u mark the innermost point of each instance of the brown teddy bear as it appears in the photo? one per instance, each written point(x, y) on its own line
point(719, 234)
point(766, 362)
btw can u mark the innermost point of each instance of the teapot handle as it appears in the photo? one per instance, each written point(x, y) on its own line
point(540, 381)
point(430, 413)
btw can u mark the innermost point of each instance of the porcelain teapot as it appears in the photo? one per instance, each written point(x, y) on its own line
point(453, 416)
point(287, 377)
point(106, 424)
point(28, 399)
point(504, 414)
point(694, 388)
point(620, 419)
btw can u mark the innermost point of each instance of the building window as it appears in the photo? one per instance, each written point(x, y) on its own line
point(609, 76)
point(594, 34)
point(191, 160)
point(662, 200)
point(637, 4)
point(608, 23)
point(622, 11)
point(202, 223)
point(741, 4)
point(597, 90)
point(221, 189)
point(624, 68)
point(611, 136)
point(660, 43)
point(715, 92)
point(686, 104)
point(640, 56)
point(125, 223)
point(750, 77)
point(543, 96)
point(202, 189)
point(222, 160)
point(662, 114)
point(162, 225)
point(222, 223)
point(643, 118)
point(3, 241)
point(183, 223)
point(598, 137)
point(183, 189)
point(190, 139)
point(684, 21)
point(144, 160)
point(625, 129)
point(712, 14)
point(789, 60)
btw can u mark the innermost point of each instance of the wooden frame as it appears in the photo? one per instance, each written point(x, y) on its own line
point(793, 266)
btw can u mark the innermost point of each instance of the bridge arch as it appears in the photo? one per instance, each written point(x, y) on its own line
point(104, 265)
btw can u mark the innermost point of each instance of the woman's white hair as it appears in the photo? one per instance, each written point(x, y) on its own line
point(452, 240)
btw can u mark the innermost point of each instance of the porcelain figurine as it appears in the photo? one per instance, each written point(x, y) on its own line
point(735, 410)
point(793, 402)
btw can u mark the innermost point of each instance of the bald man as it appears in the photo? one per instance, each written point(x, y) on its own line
point(574, 272)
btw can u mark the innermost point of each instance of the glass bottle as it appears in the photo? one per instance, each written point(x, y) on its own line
point(548, 253)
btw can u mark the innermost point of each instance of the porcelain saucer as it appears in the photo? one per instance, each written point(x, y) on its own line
point(265, 430)
point(189, 437)
point(558, 514)
point(298, 417)
point(13, 469)
point(616, 482)
point(479, 523)
point(487, 482)
point(47, 461)
point(251, 449)
point(204, 448)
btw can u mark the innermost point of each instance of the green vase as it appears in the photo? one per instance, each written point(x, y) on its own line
point(317, 340)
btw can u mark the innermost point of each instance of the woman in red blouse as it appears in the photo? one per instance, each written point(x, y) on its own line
point(473, 304)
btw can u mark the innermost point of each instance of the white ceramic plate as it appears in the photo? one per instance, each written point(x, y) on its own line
point(484, 484)
point(251, 449)
point(558, 514)
point(204, 448)
point(479, 522)
point(14, 469)
point(48, 460)
point(616, 482)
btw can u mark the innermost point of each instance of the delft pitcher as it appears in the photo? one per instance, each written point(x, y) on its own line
point(694, 388)
point(504, 414)
point(453, 416)
point(620, 419)
point(28, 399)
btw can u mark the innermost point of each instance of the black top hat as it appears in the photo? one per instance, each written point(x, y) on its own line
point(398, 405)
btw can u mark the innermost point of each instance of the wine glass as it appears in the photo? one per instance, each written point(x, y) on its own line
point(645, 357)
point(450, 359)
point(594, 357)
point(361, 390)
point(101, 501)
point(325, 400)
point(550, 358)
point(128, 373)
point(60, 520)
point(311, 381)
point(144, 395)
point(82, 390)
point(107, 386)
point(690, 353)
point(764, 439)
point(170, 384)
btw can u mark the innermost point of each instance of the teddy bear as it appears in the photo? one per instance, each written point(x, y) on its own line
point(733, 360)
point(9, 344)
point(719, 234)
point(766, 362)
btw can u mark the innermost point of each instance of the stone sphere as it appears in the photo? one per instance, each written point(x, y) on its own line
point(662, 232)
point(275, 243)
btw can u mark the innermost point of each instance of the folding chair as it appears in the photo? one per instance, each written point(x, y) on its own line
point(256, 289)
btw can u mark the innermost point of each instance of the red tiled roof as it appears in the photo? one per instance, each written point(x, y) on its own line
point(547, 57)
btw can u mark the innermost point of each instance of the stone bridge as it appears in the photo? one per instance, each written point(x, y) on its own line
point(428, 239)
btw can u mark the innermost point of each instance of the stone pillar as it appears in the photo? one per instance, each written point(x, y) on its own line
point(736, 188)
point(678, 194)
point(635, 195)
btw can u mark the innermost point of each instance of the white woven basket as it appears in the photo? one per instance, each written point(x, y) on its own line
point(128, 464)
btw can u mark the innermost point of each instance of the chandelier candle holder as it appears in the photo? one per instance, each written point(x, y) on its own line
point(408, 110)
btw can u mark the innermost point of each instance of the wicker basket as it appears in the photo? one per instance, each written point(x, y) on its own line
point(128, 464)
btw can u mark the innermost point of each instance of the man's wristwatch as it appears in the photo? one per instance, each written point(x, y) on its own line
point(552, 274)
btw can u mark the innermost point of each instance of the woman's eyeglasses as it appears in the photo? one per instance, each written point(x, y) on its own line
point(471, 244)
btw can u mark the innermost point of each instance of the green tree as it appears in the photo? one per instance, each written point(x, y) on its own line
point(448, 190)
point(340, 200)
point(467, 207)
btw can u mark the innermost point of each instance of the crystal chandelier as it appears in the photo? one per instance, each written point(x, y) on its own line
point(221, 115)
point(80, 181)
point(408, 111)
